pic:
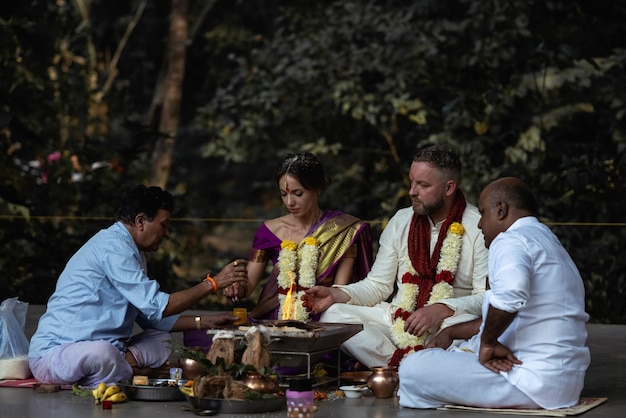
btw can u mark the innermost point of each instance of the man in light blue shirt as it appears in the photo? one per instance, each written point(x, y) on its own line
point(85, 335)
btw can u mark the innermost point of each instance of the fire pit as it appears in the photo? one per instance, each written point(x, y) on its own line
point(308, 341)
point(302, 337)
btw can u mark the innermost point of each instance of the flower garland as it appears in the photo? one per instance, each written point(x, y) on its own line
point(302, 261)
point(442, 289)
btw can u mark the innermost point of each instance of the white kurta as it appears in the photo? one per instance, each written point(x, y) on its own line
point(373, 346)
point(530, 273)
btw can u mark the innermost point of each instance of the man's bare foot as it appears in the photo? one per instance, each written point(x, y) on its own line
point(162, 372)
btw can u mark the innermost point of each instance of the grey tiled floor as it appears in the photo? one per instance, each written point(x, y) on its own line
point(606, 377)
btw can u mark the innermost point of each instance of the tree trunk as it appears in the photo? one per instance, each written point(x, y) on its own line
point(172, 94)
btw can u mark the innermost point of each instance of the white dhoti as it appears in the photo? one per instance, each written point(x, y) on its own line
point(373, 345)
point(434, 377)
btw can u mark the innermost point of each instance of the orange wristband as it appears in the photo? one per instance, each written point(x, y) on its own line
point(211, 281)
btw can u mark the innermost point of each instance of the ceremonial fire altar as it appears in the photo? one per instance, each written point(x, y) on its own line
point(304, 341)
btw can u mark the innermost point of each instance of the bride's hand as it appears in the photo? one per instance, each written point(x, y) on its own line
point(236, 291)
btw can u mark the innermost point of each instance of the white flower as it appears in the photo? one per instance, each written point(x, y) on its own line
point(448, 261)
point(408, 297)
point(404, 339)
point(309, 255)
point(283, 310)
point(287, 261)
point(441, 290)
point(300, 312)
point(450, 253)
point(302, 276)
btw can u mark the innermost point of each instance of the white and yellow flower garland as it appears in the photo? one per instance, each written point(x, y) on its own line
point(446, 269)
point(296, 270)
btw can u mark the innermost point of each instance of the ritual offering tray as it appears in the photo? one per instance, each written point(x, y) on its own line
point(155, 390)
point(237, 406)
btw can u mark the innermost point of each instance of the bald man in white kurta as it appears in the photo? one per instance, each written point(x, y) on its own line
point(532, 275)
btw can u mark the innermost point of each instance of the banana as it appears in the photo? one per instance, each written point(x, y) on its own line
point(186, 390)
point(118, 397)
point(110, 391)
point(98, 392)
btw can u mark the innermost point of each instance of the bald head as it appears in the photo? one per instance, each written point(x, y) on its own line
point(514, 192)
point(503, 202)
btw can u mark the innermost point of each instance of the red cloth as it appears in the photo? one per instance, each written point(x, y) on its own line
point(25, 383)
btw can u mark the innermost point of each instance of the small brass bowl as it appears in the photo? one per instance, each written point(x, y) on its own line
point(191, 368)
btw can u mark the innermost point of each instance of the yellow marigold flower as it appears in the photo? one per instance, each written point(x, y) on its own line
point(289, 245)
point(457, 228)
point(310, 241)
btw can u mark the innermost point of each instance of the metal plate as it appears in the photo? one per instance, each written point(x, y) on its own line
point(355, 377)
point(151, 392)
point(237, 406)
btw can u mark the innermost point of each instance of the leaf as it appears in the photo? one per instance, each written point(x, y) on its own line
point(80, 391)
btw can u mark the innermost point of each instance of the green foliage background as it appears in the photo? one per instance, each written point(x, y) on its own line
point(524, 87)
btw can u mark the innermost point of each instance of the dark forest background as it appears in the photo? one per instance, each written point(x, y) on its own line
point(205, 97)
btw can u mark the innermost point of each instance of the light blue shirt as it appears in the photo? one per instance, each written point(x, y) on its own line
point(100, 294)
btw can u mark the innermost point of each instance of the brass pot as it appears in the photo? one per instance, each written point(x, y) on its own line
point(259, 383)
point(191, 368)
point(383, 381)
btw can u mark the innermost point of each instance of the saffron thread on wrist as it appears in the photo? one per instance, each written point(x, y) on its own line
point(211, 281)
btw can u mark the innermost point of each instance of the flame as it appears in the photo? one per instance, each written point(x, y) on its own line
point(289, 307)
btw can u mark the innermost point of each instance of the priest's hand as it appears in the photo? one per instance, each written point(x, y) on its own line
point(497, 357)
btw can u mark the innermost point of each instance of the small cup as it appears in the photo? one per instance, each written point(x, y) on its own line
point(242, 314)
point(352, 391)
point(176, 373)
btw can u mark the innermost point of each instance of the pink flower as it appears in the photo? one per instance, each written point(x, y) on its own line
point(54, 156)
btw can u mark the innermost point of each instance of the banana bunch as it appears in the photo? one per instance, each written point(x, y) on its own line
point(187, 390)
point(112, 393)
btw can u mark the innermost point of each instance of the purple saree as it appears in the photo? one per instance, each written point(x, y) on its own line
point(338, 234)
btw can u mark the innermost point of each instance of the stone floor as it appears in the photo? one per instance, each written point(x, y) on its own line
point(606, 377)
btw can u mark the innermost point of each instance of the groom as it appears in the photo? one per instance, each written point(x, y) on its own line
point(432, 252)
